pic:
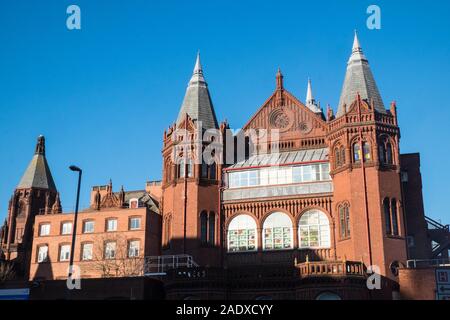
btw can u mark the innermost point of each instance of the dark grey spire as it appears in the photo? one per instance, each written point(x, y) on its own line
point(359, 79)
point(197, 101)
point(38, 173)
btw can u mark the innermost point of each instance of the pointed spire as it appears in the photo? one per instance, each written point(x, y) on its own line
point(279, 78)
point(310, 101)
point(37, 174)
point(356, 45)
point(309, 95)
point(198, 66)
point(359, 80)
point(40, 146)
point(197, 100)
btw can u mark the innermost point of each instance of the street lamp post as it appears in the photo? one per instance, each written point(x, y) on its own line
point(74, 228)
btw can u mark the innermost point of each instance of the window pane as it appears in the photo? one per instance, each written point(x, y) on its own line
point(87, 251)
point(135, 223)
point(42, 254)
point(45, 230)
point(67, 228)
point(64, 253)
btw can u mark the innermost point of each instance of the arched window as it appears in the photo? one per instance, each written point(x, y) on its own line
point(342, 156)
point(344, 221)
point(212, 171)
point(212, 228)
point(190, 168)
point(337, 157)
point(328, 296)
point(314, 230)
point(203, 227)
point(277, 232)
point(241, 234)
point(204, 170)
point(389, 159)
point(366, 151)
point(382, 152)
point(394, 217)
point(357, 152)
point(181, 167)
point(387, 215)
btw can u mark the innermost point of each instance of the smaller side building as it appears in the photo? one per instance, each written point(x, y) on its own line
point(112, 237)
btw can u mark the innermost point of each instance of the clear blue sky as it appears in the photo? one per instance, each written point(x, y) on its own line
point(103, 96)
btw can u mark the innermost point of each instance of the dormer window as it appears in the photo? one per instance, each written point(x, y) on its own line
point(134, 203)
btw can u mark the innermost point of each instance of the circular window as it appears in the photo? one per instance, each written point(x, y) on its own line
point(394, 267)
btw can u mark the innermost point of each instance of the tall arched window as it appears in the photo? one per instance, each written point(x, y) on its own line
point(394, 217)
point(344, 221)
point(382, 152)
point(389, 159)
point(204, 171)
point(387, 215)
point(277, 232)
point(212, 171)
point(337, 157)
point(204, 227)
point(212, 228)
point(342, 155)
point(314, 230)
point(357, 152)
point(241, 234)
point(366, 151)
point(181, 167)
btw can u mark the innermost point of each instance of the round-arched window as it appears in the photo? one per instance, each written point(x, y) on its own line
point(328, 296)
point(241, 234)
point(277, 232)
point(314, 230)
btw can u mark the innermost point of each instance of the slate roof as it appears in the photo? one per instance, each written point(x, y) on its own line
point(197, 100)
point(359, 79)
point(38, 174)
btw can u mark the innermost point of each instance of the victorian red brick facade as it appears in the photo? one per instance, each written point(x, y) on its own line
point(312, 204)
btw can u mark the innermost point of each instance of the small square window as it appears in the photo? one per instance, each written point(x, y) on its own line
point(88, 227)
point(135, 223)
point(44, 229)
point(66, 228)
point(111, 225)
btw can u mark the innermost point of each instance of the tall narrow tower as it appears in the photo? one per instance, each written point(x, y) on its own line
point(191, 183)
point(364, 152)
point(35, 194)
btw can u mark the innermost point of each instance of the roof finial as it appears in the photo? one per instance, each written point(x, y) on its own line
point(309, 95)
point(279, 80)
point(356, 44)
point(40, 146)
point(198, 66)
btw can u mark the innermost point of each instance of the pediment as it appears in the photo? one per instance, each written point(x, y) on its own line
point(284, 112)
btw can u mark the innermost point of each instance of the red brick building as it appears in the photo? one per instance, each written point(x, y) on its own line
point(300, 203)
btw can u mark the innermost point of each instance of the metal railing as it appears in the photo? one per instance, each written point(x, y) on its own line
point(159, 265)
point(433, 224)
point(414, 264)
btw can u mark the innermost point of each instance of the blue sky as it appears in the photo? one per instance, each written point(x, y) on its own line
point(103, 95)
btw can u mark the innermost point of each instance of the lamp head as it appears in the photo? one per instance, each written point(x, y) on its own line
point(75, 168)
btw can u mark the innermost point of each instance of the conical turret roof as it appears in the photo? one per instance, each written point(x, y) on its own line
point(197, 100)
point(359, 79)
point(38, 174)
